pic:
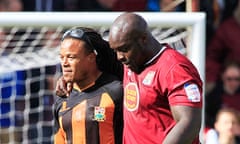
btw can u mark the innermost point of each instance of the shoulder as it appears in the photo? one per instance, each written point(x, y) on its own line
point(228, 26)
point(171, 57)
point(181, 62)
point(110, 81)
point(175, 63)
point(211, 137)
point(115, 87)
point(115, 90)
point(58, 102)
point(114, 84)
point(230, 21)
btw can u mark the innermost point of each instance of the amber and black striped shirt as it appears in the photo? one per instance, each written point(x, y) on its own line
point(92, 116)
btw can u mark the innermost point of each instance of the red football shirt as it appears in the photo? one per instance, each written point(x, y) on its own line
point(171, 79)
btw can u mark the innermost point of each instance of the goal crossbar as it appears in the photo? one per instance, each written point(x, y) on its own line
point(196, 21)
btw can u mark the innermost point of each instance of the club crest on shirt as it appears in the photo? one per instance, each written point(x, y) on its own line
point(99, 114)
point(149, 78)
point(192, 92)
point(131, 96)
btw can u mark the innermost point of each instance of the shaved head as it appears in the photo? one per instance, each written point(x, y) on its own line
point(127, 26)
point(129, 37)
point(132, 41)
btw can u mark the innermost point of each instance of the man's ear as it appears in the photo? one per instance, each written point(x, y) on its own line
point(92, 57)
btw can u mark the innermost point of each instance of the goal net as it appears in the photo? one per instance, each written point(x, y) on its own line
point(29, 64)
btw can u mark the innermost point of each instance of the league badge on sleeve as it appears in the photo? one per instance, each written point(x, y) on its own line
point(192, 92)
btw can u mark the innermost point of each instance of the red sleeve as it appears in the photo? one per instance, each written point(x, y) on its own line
point(184, 86)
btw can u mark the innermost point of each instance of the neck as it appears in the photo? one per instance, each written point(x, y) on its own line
point(155, 47)
point(229, 91)
point(83, 85)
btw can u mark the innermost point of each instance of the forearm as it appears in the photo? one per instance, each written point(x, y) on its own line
point(182, 133)
point(188, 124)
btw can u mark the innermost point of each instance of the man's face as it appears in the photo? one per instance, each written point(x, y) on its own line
point(129, 52)
point(231, 78)
point(74, 60)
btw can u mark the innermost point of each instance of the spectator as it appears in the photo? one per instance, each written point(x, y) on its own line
point(216, 11)
point(225, 94)
point(227, 125)
point(223, 47)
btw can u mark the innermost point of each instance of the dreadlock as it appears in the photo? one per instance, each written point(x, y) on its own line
point(106, 58)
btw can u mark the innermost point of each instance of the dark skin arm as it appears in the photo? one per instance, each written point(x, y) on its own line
point(63, 88)
point(187, 127)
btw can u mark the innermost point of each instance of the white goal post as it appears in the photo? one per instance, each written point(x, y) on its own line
point(37, 65)
point(196, 21)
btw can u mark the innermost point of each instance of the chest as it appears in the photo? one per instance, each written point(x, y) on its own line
point(143, 91)
point(86, 112)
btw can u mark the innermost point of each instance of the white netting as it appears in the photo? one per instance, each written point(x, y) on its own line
point(29, 68)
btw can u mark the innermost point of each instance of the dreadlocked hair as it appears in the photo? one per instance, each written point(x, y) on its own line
point(106, 58)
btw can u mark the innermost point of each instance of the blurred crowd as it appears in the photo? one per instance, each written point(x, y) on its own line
point(222, 53)
point(90, 5)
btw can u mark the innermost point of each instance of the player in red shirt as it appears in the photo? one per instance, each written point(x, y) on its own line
point(162, 88)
